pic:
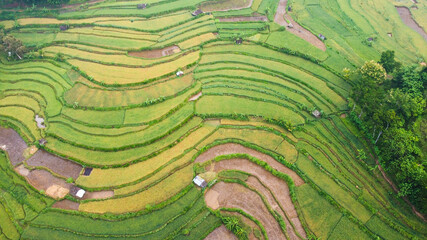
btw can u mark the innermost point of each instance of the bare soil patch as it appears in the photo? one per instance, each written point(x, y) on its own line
point(407, 18)
point(286, 208)
point(58, 165)
point(66, 204)
point(343, 115)
point(233, 195)
point(211, 198)
point(56, 191)
point(296, 29)
point(221, 233)
point(157, 53)
point(244, 19)
point(98, 195)
point(13, 144)
point(21, 170)
point(278, 188)
point(42, 180)
point(231, 148)
point(195, 97)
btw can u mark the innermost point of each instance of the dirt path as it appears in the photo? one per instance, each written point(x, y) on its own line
point(407, 18)
point(233, 195)
point(157, 53)
point(297, 29)
point(13, 144)
point(231, 148)
point(221, 233)
point(58, 165)
point(279, 190)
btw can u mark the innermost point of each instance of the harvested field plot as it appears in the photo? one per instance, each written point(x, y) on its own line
point(202, 119)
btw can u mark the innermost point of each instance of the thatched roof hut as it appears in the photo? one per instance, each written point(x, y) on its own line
point(141, 6)
point(197, 12)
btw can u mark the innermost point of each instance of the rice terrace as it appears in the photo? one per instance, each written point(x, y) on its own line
point(213, 119)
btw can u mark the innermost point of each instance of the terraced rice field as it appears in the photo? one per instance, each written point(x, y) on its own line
point(137, 102)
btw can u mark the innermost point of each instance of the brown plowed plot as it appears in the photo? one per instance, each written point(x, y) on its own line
point(279, 190)
point(297, 29)
point(233, 195)
point(98, 195)
point(244, 19)
point(66, 204)
point(157, 53)
point(58, 165)
point(221, 233)
point(13, 144)
point(230, 148)
point(406, 17)
point(44, 180)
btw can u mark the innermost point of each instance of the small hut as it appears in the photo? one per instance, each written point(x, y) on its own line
point(316, 113)
point(63, 27)
point(323, 38)
point(87, 171)
point(370, 39)
point(197, 12)
point(141, 6)
point(179, 73)
point(42, 142)
point(289, 8)
point(239, 41)
point(80, 193)
point(200, 182)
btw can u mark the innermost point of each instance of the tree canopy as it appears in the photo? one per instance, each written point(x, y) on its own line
point(389, 110)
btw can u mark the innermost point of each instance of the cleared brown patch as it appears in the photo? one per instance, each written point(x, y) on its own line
point(231, 148)
point(278, 188)
point(406, 16)
point(66, 204)
point(343, 115)
point(244, 19)
point(157, 53)
point(98, 195)
point(195, 97)
point(33, 149)
point(233, 195)
point(211, 198)
point(296, 29)
point(13, 144)
point(42, 180)
point(56, 191)
point(21, 170)
point(58, 165)
point(221, 233)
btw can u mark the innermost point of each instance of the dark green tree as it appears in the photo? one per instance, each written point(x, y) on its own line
point(388, 62)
